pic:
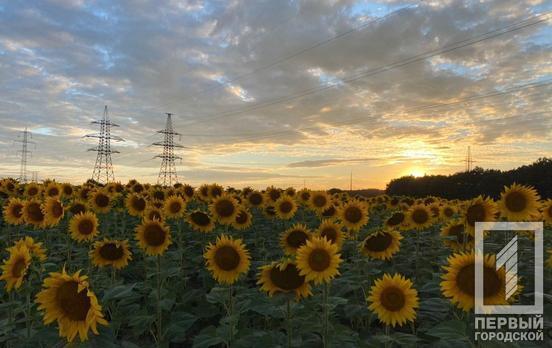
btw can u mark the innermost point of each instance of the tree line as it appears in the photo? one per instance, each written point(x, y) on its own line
point(479, 181)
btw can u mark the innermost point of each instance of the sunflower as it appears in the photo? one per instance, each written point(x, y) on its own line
point(447, 211)
point(519, 203)
point(68, 299)
point(381, 245)
point(354, 214)
point(35, 248)
point(394, 300)
point(53, 189)
point(100, 201)
point(479, 209)
point(547, 211)
point(283, 277)
point(397, 220)
point(136, 204)
point(304, 196)
point(174, 207)
point(435, 210)
point(188, 191)
point(285, 207)
point(137, 188)
point(269, 211)
point(227, 259)
point(15, 267)
point(224, 208)
point(319, 201)
point(78, 207)
point(459, 281)
point(203, 193)
point(32, 190)
point(13, 212)
point(393, 203)
point(83, 226)
point(294, 238)
point(32, 213)
point(157, 193)
point(273, 194)
point(153, 237)
point(200, 221)
point(419, 217)
point(455, 236)
point(318, 260)
point(243, 220)
point(215, 190)
point(331, 231)
point(53, 211)
point(255, 199)
point(154, 213)
point(67, 190)
point(330, 212)
point(115, 253)
point(84, 192)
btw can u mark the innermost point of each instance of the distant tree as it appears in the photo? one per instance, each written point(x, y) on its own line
point(479, 181)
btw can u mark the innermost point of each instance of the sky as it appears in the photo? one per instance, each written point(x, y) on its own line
point(283, 93)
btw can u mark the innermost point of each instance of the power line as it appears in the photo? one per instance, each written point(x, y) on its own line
point(401, 63)
point(253, 136)
point(300, 52)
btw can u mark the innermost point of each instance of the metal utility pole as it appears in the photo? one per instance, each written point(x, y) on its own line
point(167, 172)
point(26, 135)
point(469, 160)
point(103, 169)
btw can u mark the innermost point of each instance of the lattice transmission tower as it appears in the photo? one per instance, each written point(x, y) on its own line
point(25, 136)
point(103, 169)
point(167, 172)
point(469, 160)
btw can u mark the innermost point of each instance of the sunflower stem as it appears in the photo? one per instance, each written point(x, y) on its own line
point(387, 341)
point(288, 321)
point(159, 321)
point(326, 315)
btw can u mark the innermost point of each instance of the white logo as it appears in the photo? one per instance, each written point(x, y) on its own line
point(508, 259)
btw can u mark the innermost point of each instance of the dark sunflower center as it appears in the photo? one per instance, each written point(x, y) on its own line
point(286, 207)
point(189, 191)
point(319, 260)
point(420, 216)
point(84, 193)
point(200, 218)
point(448, 211)
point(86, 226)
point(175, 207)
point(18, 267)
point(57, 209)
point(67, 190)
point(305, 196)
point(395, 219)
point(224, 208)
point(475, 213)
point(330, 233)
point(353, 214)
point(52, 192)
point(319, 201)
point(216, 191)
point(329, 212)
point(111, 251)
point(297, 238)
point(392, 299)
point(139, 204)
point(17, 210)
point(33, 191)
point(34, 212)
point(102, 200)
point(77, 208)
point(74, 304)
point(274, 195)
point(394, 201)
point(160, 195)
point(378, 242)
point(227, 258)
point(516, 201)
point(465, 280)
point(242, 218)
point(154, 234)
point(138, 188)
point(288, 279)
point(255, 198)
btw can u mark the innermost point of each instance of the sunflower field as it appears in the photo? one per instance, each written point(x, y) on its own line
point(141, 265)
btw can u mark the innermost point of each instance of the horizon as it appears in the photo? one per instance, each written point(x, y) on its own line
point(307, 94)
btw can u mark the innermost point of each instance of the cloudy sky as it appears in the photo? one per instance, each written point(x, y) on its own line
point(278, 92)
